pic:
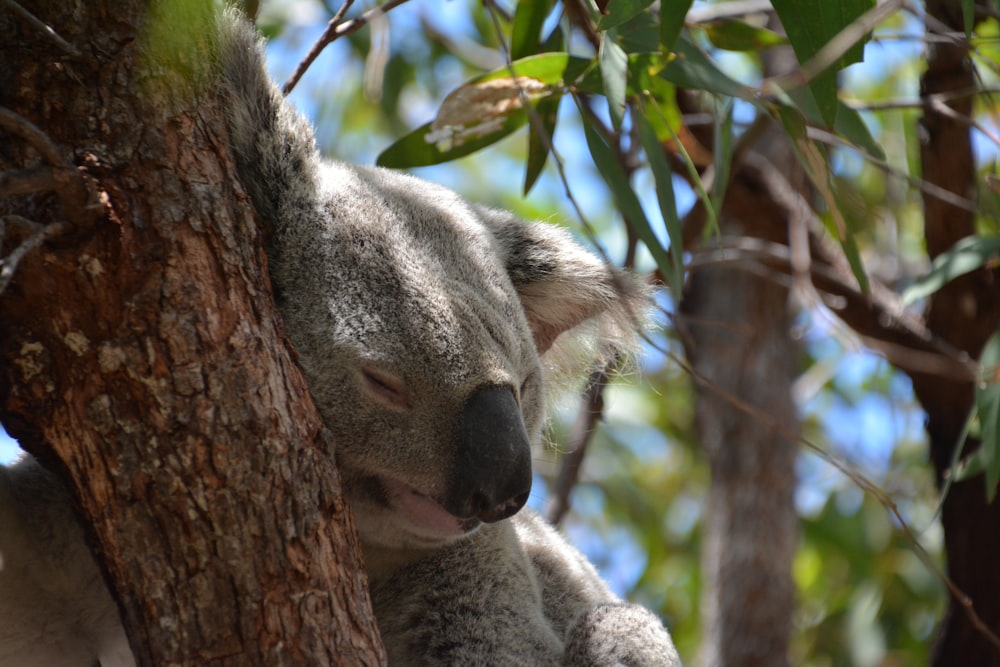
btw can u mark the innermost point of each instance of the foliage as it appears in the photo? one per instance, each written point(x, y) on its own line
point(581, 115)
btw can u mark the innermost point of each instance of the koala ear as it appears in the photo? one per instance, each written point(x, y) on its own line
point(561, 285)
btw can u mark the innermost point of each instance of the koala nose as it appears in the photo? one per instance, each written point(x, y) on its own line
point(491, 477)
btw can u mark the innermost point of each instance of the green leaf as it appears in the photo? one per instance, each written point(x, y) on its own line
point(849, 124)
point(723, 150)
point(665, 116)
point(662, 177)
point(487, 109)
point(852, 127)
point(640, 35)
point(421, 148)
point(968, 16)
point(810, 25)
point(732, 35)
point(529, 16)
point(538, 147)
point(965, 256)
point(614, 73)
point(620, 11)
point(552, 69)
point(988, 404)
point(672, 16)
point(622, 192)
point(813, 160)
point(693, 69)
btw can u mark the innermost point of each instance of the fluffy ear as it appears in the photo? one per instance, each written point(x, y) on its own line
point(561, 285)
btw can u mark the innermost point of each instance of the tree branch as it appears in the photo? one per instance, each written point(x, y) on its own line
point(336, 29)
point(43, 28)
point(591, 411)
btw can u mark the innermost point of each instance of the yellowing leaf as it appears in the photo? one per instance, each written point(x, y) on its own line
point(479, 109)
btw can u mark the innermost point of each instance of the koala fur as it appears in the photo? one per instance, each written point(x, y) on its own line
point(420, 321)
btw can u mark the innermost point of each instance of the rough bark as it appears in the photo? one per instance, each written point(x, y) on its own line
point(736, 325)
point(142, 357)
point(736, 332)
point(964, 313)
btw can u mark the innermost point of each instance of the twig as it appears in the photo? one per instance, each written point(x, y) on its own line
point(945, 110)
point(926, 187)
point(727, 10)
point(336, 29)
point(43, 28)
point(39, 234)
point(40, 179)
point(62, 177)
point(24, 128)
point(591, 411)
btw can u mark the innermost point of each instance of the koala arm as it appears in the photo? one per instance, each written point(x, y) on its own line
point(512, 594)
point(55, 609)
point(599, 630)
point(474, 602)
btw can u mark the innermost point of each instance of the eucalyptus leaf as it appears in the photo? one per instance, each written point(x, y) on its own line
point(529, 17)
point(420, 149)
point(810, 25)
point(965, 256)
point(614, 73)
point(620, 11)
point(693, 69)
point(814, 161)
point(672, 16)
point(622, 192)
point(988, 405)
point(732, 35)
point(538, 146)
point(673, 273)
point(723, 151)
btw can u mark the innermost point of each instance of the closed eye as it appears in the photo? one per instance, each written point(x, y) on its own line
point(385, 387)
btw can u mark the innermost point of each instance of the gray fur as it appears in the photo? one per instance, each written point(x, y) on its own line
point(419, 320)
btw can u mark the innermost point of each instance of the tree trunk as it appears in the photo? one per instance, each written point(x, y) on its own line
point(737, 324)
point(964, 313)
point(736, 332)
point(142, 357)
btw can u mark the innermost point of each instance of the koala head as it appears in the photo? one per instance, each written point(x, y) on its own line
point(419, 321)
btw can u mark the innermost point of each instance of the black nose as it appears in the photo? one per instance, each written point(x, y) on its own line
point(491, 477)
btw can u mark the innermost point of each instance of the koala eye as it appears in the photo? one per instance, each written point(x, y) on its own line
point(385, 387)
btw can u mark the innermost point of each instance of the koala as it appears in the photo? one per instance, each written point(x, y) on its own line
point(424, 325)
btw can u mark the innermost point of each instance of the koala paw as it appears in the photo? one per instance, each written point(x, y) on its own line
point(619, 635)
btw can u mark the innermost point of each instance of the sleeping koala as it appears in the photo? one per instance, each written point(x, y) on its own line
point(420, 320)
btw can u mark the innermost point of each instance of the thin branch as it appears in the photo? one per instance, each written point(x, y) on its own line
point(336, 29)
point(945, 110)
point(39, 140)
point(919, 103)
point(727, 10)
point(62, 177)
point(30, 181)
point(590, 413)
point(926, 187)
point(43, 28)
point(39, 234)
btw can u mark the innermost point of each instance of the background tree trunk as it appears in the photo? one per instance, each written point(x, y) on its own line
point(142, 357)
point(737, 324)
point(965, 314)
